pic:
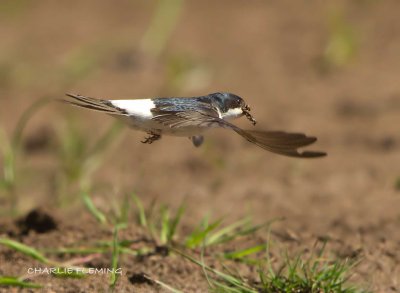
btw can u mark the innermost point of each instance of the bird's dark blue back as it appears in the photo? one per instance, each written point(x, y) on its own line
point(182, 104)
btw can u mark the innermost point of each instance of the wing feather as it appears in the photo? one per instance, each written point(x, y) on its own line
point(190, 114)
point(278, 142)
point(285, 143)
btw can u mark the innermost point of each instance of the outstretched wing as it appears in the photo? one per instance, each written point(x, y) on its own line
point(279, 142)
point(282, 143)
point(185, 113)
point(187, 119)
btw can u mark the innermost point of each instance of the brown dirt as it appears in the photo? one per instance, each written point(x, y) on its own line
point(269, 52)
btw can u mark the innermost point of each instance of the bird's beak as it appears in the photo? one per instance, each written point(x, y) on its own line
point(246, 111)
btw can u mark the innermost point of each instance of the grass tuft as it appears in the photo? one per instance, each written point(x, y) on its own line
point(161, 225)
point(298, 274)
point(212, 234)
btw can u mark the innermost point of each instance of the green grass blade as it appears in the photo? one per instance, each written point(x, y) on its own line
point(16, 282)
point(239, 232)
point(175, 222)
point(219, 236)
point(319, 256)
point(267, 253)
point(232, 280)
point(137, 252)
point(223, 288)
point(89, 250)
point(210, 284)
point(24, 119)
point(262, 276)
point(28, 251)
point(124, 219)
point(8, 178)
point(165, 225)
point(199, 236)
point(142, 213)
point(240, 254)
point(115, 257)
point(97, 214)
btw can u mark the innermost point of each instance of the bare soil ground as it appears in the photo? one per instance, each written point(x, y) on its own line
point(273, 54)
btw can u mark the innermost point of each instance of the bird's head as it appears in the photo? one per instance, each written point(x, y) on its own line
point(232, 106)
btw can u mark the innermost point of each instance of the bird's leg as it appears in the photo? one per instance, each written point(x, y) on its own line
point(151, 138)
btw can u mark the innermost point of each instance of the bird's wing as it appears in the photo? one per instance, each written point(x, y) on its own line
point(278, 142)
point(95, 104)
point(284, 144)
point(193, 114)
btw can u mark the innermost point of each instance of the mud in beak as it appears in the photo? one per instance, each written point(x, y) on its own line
point(246, 112)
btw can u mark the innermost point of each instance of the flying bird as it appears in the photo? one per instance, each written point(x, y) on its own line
point(191, 117)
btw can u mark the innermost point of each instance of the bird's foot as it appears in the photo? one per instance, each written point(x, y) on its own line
point(151, 138)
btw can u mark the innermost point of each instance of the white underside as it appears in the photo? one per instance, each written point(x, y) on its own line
point(232, 113)
point(138, 108)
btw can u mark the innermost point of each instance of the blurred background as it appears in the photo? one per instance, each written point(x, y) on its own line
point(328, 69)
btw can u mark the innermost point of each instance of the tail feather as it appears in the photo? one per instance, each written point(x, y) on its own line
point(95, 104)
point(282, 143)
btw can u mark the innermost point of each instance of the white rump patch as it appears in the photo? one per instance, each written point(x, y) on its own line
point(232, 113)
point(140, 107)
